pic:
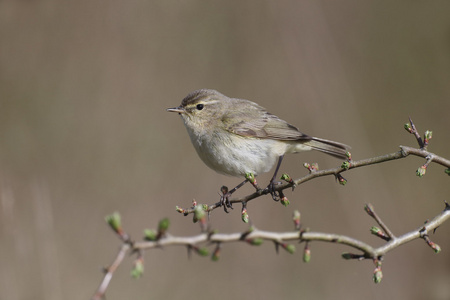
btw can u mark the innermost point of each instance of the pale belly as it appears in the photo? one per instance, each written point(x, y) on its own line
point(237, 155)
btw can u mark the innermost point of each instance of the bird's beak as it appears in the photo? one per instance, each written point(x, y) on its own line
point(178, 109)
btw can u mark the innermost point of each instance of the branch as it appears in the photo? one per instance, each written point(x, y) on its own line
point(348, 165)
point(161, 238)
point(280, 237)
point(404, 152)
point(100, 293)
point(255, 237)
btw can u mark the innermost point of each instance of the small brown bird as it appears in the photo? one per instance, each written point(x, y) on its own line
point(240, 138)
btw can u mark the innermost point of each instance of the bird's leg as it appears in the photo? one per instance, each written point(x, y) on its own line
point(225, 198)
point(271, 186)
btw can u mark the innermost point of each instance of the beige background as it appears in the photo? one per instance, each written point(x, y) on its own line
point(83, 132)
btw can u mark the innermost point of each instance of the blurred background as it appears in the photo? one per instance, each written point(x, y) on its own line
point(84, 86)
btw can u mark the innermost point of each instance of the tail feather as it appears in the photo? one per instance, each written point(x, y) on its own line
point(329, 147)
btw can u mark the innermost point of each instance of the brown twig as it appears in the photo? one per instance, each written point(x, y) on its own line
point(415, 234)
point(280, 238)
point(368, 251)
point(371, 212)
point(255, 236)
point(404, 152)
point(416, 134)
point(109, 272)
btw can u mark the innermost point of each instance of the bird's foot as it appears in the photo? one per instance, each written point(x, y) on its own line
point(270, 189)
point(225, 199)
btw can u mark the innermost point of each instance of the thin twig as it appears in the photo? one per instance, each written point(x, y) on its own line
point(281, 238)
point(100, 293)
point(404, 152)
point(371, 212)
point(369, 251)
point(416, 134)
point(422, 153)
point(415, 234)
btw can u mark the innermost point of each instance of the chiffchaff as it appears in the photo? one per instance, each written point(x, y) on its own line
point(240, 138)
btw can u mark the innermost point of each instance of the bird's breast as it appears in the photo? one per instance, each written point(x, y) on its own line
point(234, 155)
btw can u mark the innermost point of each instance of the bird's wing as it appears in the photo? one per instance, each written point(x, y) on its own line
point(257, 122)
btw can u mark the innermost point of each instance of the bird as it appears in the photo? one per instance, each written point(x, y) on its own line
point(238, 137)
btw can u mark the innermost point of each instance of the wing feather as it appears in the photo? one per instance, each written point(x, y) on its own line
point(256, 122)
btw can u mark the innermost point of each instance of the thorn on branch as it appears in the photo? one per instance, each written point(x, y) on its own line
point(277, 246)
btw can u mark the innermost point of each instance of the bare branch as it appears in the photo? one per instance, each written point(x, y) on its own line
point(412, 129)
point(368, 250)
point(404, 152)
point(371, 212)
point(100, 293)
point(415, 234)
point(284, 240)
point(279, 238)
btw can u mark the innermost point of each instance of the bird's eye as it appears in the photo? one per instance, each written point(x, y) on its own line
point(200, 106)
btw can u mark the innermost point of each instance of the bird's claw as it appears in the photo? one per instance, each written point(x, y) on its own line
point(225, 201)
point(270, 189)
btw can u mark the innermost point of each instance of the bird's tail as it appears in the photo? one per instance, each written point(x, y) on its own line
point(332, 148)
